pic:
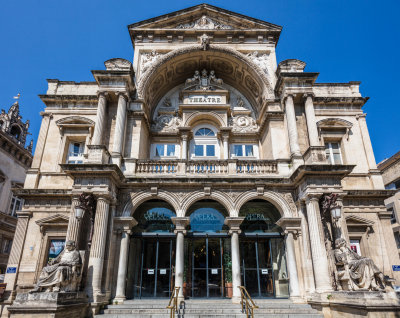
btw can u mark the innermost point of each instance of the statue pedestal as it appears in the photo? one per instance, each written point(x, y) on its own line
point(356, 304)
point(50, 304)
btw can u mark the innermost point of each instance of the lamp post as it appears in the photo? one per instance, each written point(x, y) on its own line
point(87, 203)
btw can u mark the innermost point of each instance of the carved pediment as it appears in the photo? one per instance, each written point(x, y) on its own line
point(334, 123)
point(75, 122)
point(54, 221)
point(353, 220)
point(204, 17)
point(118, 64)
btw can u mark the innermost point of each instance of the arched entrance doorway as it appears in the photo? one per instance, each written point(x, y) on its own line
point(262, 251)
point(207, 251)
point(152, 251)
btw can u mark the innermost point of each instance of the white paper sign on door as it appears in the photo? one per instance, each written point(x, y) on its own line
point(150, 272)
point(163, 271)
point(264, 271)
point(214, 271)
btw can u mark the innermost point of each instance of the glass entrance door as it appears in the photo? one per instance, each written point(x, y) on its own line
point(204, 267)
point(263, 267)
point(157, 257)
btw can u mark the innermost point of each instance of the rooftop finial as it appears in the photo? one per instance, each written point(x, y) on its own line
point(17, 97)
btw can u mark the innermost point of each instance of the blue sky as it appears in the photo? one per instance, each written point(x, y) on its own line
point(343, 40)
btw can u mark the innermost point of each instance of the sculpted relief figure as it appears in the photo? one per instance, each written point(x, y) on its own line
point(213, 80)
point(203, 81)
point(243, 123)
point(148, 59)
point(63, 273)
point(260, 60)
point(356, 272)
point(195, 80)
point(204, 23)
point(166, 123)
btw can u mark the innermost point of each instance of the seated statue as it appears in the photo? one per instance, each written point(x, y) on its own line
point(213, 80)
point(63, 273)
point(356, 272)
point(195, 80)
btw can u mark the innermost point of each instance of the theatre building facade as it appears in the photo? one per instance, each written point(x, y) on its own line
point(206, 165)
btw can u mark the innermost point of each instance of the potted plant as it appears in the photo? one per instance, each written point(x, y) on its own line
point(228, 275)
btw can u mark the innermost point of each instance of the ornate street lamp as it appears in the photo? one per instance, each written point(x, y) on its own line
point(336, 212)
point(87, 203)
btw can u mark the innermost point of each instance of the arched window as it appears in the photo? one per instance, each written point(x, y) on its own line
point(259, 216)
point(15, 131)
point(204, 132)
point(205, 143)
point(207, 216)
point(154, 216)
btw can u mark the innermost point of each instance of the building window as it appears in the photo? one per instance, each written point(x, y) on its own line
point(6, 248)
point(333, 154)
point(16, 205)
point(75, 152)
point(55, 248)
point(244, 151)
point(397, 239)
point(205, 143)
point(165, 150)
point(355, 246)
point(393, 218)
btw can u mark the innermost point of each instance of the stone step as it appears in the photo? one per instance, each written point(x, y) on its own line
point(165, 315)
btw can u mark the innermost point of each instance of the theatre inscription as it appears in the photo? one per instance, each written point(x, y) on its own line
point(205, 99)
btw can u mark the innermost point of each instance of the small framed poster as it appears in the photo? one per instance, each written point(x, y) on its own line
point(214, 271)
point(11, 270)
point(150, 271)
point(264, 271)
point(163, 271)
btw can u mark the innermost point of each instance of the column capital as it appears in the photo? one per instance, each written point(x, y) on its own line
point(290, 225)
point(124, 223)
point(307, 95)
point(312, 197)
point(180, 224)
point(286, 96)
point(122, 94)
point(102, 93)
point(234, 224)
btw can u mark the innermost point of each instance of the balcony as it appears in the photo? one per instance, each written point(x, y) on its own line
point(232, 167)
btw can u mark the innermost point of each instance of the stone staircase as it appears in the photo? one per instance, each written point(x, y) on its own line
point(155, 308)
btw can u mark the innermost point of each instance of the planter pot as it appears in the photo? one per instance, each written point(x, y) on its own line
point(185, 290)
point(228, 290)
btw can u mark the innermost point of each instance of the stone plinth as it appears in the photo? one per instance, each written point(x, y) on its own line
point(50, 304)
point(357, 304)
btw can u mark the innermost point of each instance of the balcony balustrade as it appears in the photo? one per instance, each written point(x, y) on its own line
point(233, 167)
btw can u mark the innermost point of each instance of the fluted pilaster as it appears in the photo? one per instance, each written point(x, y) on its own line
point(73, 223)
point(319, 256)
point(311, 123)
point(96, 258)
point(100, 119)
point(291, 126)
point(120, 124)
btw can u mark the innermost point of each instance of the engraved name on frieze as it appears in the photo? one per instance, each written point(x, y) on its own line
point(204, 99)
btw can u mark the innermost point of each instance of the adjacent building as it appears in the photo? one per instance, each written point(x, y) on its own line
point(390, 169)
point(212, 166)
point(15, 159)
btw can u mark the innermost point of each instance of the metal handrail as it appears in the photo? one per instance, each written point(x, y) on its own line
point(174, 300)
point(246, 302)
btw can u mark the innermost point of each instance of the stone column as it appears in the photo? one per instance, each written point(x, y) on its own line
point(294, 289)
point(184, 146)
point(119, 128)
point(73, 223)
point(124, 224)
point(100, 119)
point(16, 252)
point(291, 226)
point(292, 127)
point(319, 255)
point(96, 258)
point(180, 231)
point(311, 122)
point(226, 147)
point(307, 261)
point(234, 231)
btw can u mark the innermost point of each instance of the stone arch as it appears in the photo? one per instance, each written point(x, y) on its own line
point(213, 117)
point(218, 196)
point(137, 199)
point(239, 71)
point(273, 197)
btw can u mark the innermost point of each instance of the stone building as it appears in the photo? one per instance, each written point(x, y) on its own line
point(212, 166)
point(390, 169)
point(15, 159)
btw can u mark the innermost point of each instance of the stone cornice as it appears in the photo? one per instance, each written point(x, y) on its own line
point(340, 100)
point(63, 98)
